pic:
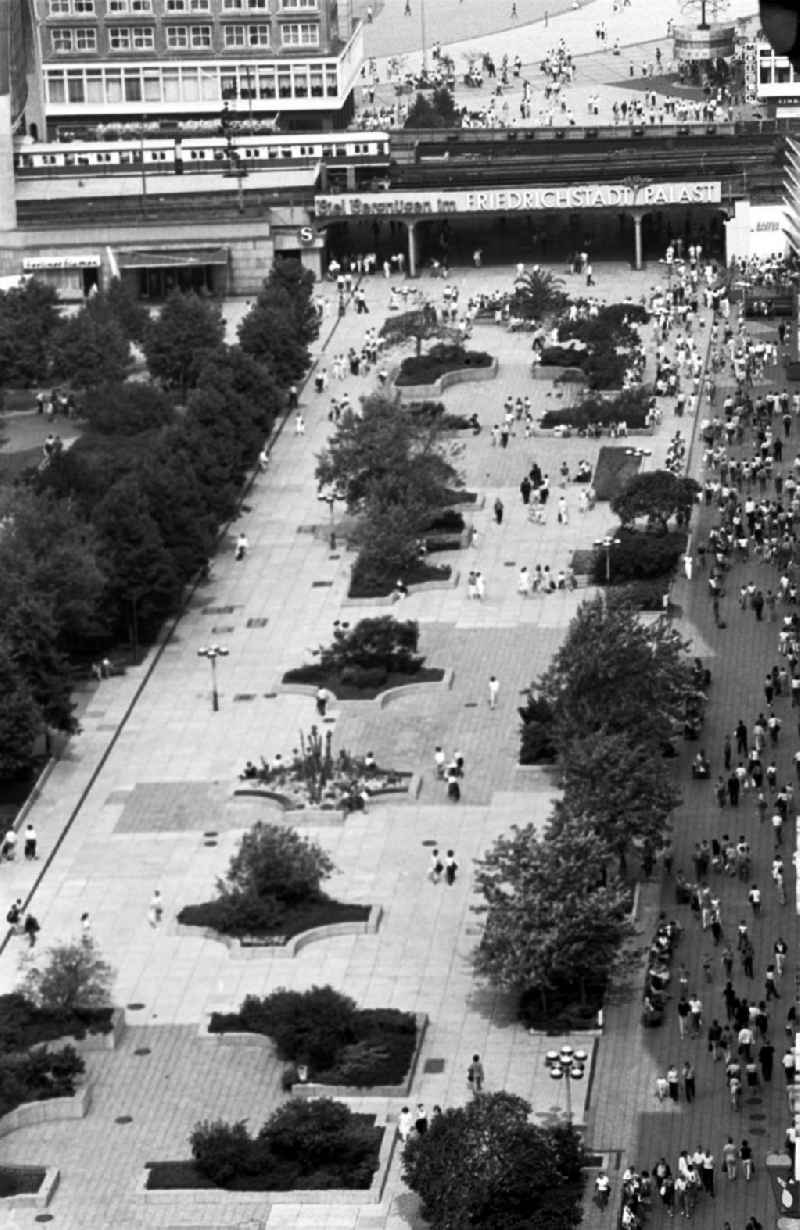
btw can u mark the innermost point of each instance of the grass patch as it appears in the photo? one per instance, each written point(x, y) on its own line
point(284, 923)
point(351, 687)
point(23, 1025)
point(615, 467)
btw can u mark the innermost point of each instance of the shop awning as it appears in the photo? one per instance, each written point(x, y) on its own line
point(181, 258)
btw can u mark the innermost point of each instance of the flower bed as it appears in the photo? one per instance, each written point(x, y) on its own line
point(441, 359)
point(285, 923)
point(380, 1051)
point(360, 683)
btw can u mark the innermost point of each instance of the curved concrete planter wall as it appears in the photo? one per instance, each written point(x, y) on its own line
point(424, 392)
point(219, 1198)
point(381, 700)
point(247, 952)
point(307, 1089)
point(423, 587)
point(51, 1110)
point(92, 1042)
point(335, 816)
point(32, 1200)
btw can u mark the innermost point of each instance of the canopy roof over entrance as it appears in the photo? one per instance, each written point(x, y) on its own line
point(180, 258)
point(630, 194)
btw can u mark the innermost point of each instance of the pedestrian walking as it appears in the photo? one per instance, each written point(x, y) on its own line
point(30, 842)
point(323, 698)
point(299, 424)
point(242, 546)
point(9, 847)
point(498, 511)
point(405, 1124)
point(688, 1081)
point(436, 868)
point(494, 691)
point(766, 1056)
point(524, 582)
point(450, 867)
point(31, 928)
point(729, 1158)
point(746, 1158)
point(475, 1075)
point(14, 915)
point(155, 911)
point(673, 1083)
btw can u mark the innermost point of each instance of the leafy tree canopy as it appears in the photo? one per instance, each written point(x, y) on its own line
point(177, 343)
point(291, 276)
point(440, 111)
point(276, 862)
point(657, 495)
point(20, 720)
point(553, 918)
point(28, 318)
point(269, 333)
point(615, 673)
point(619, 788)
point(127, 409)
point(70, 977)
point(421, 324)
point(484, 1166)
point(383, 457)
point(90, 349)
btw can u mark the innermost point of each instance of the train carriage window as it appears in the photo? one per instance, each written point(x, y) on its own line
point(70, 160)
point(127, 157)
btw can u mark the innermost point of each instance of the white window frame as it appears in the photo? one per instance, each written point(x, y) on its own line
point(201, 38)
point(253, 39)
point(177, 38)
point(299, 6)
point(299, 34)
point(143, 38)
point(86, 38)
point(121, 36)
point(234, 36)
point(62, 40)
point(83, 8)
point(117, 8)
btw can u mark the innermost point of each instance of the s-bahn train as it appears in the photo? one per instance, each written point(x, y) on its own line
point(175, 154)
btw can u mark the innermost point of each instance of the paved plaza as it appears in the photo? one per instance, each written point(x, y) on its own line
point(130, 804)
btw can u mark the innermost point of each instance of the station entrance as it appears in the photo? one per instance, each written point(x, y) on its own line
point(606, 221)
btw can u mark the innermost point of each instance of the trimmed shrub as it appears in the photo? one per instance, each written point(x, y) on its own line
point(23, 1024)
point(221, 1150)
point(370, 577)
point(640, 556)
point(630, 406)
point(645, 595)
point(33, 1076)
point(381, 643)
point(308, 1027)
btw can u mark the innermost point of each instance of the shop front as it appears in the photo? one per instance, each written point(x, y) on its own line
point(73, 274)
point(154, 274)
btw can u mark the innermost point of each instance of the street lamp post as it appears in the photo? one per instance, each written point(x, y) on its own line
point(212, 652)
point(567, 1065)
point(608, 542)
point(330, 498)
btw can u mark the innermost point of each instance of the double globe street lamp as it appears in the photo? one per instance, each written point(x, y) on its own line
point(212, 652)
point(567, 1065)
point(608, 542)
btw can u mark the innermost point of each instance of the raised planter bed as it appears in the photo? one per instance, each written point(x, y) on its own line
point(311, 1089)
point(181, 1181)
point(383, 696)
point(27, 1187)
point(408, 786)
point(49, 1110)
point(315, 676)
point(448, 580)
point(23, 1026)
point(461, 375)
point(247, 947)
point(91, 1043)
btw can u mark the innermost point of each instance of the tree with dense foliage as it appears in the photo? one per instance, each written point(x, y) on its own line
point(438, 111)
point(70, 977)
point(657, 495)
point(292, 277)
point(537, 293)
point(117, 299)
point(617, 674)
point(127, 409)
point(29, 316)
point(269, 333)
point(89, 350)
point(20, 720)
point(485, 1166)
point(177, 343)
point(142, 585)
point(381, 641)
point(276, 862)
point(554, 919)
point(384, 457)
point(422, 324)
point(618, 788)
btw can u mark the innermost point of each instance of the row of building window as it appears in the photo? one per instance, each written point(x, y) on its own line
point(116, 8)
point(210, 84)
point(67, 39)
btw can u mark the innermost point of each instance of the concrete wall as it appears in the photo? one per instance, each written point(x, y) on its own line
point(756, 230)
